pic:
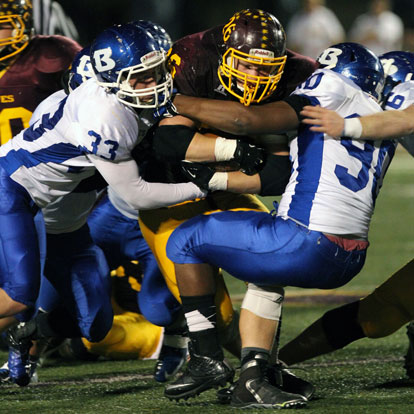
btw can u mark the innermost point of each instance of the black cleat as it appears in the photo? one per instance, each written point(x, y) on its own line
point(18, 361)
point(280, 376)
point(253, 389)
point(202, 373)
point(409, 356)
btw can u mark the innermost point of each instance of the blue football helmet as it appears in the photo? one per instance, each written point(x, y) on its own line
point(398, 68)
point(159, 33)
point(357, 63)
point(123, 52)
point(81, 69)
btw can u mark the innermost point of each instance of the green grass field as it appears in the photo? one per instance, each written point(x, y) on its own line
point(365, 377)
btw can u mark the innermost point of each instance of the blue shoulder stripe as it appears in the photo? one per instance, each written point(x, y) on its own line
point(57, 153)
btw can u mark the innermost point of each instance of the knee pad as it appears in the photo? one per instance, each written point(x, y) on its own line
point(265, 301)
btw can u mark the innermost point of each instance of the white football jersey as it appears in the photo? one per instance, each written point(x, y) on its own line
point(121, 205)
point(70, 212)
point(334, 182)
point(49, 158)
point(87, 130)
point(401, 97)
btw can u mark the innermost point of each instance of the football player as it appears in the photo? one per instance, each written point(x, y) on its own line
point(30, 70)
point(31, 66)
point(318, 238)
point(390, 305)
point(92, 129)
point(246, 61)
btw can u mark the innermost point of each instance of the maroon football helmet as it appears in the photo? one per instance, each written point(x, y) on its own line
point(18, 15)
point(253, 39)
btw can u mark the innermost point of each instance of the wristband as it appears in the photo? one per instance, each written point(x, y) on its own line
point(218, 181)
point(224, 149)
point(352, 128)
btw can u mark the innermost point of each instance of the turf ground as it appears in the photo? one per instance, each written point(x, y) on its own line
point(365, 377)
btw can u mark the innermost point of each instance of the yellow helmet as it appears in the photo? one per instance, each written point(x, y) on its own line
point(252, 38)
point(19, 15)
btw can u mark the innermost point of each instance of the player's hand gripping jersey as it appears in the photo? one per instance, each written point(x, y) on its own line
point(313, 196)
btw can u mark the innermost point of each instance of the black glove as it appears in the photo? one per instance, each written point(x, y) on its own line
point(200, 174)
point(249, 157)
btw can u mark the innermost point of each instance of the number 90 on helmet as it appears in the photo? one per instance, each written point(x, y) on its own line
point(357, 63)
point(18, 15)
point(126, 51)
point(254, 58)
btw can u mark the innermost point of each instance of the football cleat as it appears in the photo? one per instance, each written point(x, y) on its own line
point(279, 376)
point(289, 382)
point(18, 361)
point(202, 373)
point(253, 389)
point(31, 369)
point(409, 356)
point(4, 373)
point(169, 362)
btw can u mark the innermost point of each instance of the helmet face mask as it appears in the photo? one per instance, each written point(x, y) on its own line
point(357, 63)
point(136, 76)
point(16, 15)
point(253, 62)
point(124, 52)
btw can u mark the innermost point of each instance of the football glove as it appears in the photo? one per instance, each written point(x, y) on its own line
point(200, 174)
point(168, 110)
point(249, 157)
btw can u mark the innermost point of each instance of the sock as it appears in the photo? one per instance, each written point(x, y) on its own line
point(249, 353)
point(200, 314)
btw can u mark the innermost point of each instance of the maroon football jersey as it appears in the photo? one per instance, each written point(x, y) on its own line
point(194, 61)
point(31, 78)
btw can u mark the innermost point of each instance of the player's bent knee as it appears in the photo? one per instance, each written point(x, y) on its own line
point(9, 306)
point(380, 319)
point(265, 302)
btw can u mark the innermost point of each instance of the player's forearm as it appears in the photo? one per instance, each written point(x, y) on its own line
point(237, 182)
point(388, 124)
point(125, 180)
point(222, 115)
point(237, 119)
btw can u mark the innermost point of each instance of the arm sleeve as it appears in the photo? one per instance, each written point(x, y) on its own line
point(125, 180)
point(297, 102)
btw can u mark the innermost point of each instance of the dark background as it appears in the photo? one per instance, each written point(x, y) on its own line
point(181, 17)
